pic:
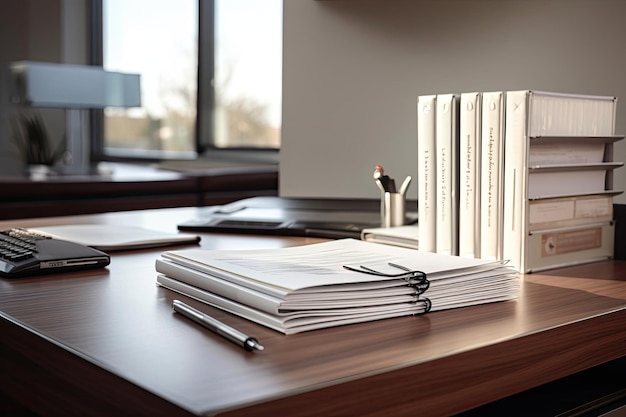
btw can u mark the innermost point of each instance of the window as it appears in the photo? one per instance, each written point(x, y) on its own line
point(248, 73)
point(210, 75)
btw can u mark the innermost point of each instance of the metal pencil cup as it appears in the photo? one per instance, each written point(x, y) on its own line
point(392, 209)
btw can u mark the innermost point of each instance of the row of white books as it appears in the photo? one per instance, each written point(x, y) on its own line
point(524, 176)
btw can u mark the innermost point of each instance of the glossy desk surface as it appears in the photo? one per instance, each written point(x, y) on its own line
point(107, 343)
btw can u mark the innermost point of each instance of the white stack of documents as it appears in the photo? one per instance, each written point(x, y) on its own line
point(309, 287)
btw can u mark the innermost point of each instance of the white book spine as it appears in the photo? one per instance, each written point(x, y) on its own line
point(426, 172)
point(491, 175)
point(515, 178)
point(446, 140)
point(469, 175)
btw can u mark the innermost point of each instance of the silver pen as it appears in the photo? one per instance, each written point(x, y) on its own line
point(234, 335)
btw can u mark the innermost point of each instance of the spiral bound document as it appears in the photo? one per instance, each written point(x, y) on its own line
point(333, 283)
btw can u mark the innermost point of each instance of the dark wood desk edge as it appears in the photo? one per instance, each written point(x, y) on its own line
point(489, 373)
point(32, 363)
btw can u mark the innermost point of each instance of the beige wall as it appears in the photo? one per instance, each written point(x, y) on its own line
point(353, 70)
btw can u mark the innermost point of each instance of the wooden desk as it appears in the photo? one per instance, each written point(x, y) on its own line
point(107, 343)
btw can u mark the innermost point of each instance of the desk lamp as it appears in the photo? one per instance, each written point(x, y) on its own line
point(75, 88)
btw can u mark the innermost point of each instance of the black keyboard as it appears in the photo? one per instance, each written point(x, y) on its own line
point(23, 253)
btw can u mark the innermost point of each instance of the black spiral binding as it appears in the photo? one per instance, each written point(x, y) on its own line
point(415, 279)
point(420, 288)
point(427, 305)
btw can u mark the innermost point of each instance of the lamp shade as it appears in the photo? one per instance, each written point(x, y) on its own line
point(39, 84)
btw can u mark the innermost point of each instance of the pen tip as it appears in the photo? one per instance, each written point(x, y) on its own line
point(251, 344)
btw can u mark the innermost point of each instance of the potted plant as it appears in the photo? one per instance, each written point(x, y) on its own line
point(33, 142)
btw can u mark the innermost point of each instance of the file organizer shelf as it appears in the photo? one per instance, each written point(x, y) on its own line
point(558, 179)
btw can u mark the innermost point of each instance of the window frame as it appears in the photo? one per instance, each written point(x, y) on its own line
point(205, 100)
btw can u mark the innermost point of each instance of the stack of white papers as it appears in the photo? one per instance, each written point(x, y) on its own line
point(307, 287)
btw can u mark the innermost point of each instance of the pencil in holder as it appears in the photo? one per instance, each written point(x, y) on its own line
point(392, 200)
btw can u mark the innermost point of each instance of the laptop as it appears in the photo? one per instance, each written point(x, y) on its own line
point(318, 217)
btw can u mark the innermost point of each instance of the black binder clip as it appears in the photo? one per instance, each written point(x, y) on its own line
point(426, 303)
point(420, 287)
point(415, 279)
point(410, 276)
